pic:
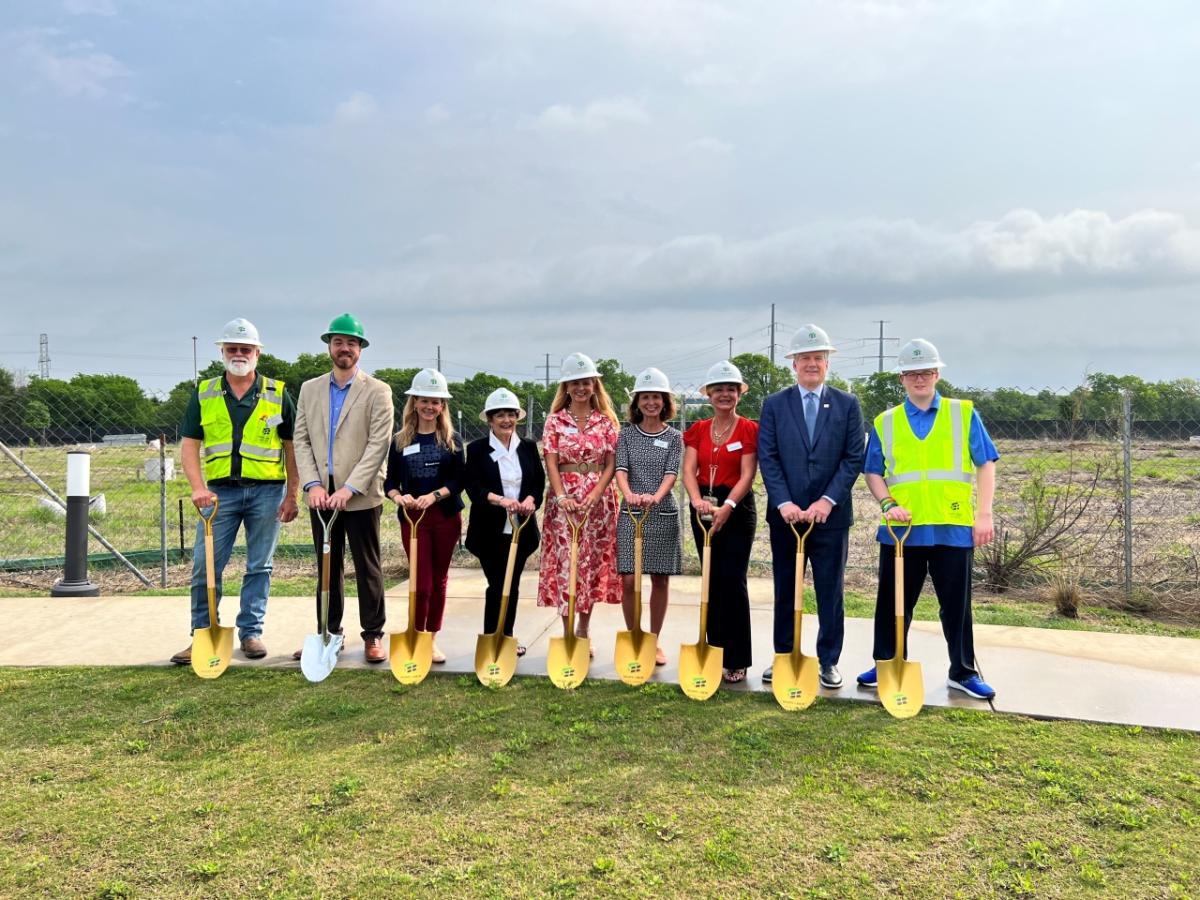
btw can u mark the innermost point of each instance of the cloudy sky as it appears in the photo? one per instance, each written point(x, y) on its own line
point(1017, 181)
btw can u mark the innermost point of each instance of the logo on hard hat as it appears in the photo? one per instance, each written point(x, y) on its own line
point(916, 351)
point(813, 335)
point(579, 362)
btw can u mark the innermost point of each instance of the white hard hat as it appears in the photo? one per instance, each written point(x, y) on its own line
point(501, 398)
point(651, 380)
point(576, 366)
point(429, 383)
point(725, 372)
point(239, 331)
point(917, 355)
point(809, 339)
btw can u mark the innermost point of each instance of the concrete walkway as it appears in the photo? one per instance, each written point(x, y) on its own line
point(1128, 679)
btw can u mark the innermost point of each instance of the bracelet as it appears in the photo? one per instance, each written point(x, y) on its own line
point(887, 503)
point(888, 499)
point(729, 501)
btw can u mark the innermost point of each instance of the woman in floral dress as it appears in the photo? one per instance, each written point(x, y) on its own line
point(579, 443)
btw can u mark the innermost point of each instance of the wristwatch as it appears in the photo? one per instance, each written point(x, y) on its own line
point(729, 501)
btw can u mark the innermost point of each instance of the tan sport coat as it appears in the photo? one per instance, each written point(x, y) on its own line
point(360, 443)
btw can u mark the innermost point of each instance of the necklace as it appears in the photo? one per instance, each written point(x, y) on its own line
point(719, 437)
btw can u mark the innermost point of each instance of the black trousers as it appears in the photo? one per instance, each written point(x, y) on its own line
point(950, 570)
point(361, 528)
point(728, 595)
point(494, 561)
point(825, 554)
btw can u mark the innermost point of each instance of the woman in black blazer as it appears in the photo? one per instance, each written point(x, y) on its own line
point(503, 474)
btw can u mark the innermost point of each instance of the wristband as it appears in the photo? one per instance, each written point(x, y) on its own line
point(887, 503)
point(729, 501)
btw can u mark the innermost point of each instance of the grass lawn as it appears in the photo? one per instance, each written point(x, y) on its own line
point(152, 783)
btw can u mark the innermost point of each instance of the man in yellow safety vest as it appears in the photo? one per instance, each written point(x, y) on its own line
point(237, 448)
point(925, 459)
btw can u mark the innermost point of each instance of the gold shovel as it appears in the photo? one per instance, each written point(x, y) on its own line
point(569, 656)
point(635, 650)
point(795, 681)
point(212, 647)
point(411, 652)
point(700, 663)
point(496, 653)
point(901, 687)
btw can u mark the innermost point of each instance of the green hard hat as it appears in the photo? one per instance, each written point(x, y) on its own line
point(348, 325)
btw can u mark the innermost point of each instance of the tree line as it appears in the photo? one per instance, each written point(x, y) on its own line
point(87, 407)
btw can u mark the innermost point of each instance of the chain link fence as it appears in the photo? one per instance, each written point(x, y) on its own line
point(1106, 507)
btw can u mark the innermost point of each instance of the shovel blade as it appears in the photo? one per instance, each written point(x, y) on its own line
point(901, 687)
point(567, 661)
point(634, 656)
point(795, 680)
point(700, 669)
point(212, 648)
point(495, 669)
point(411, 654)
point(317, 658)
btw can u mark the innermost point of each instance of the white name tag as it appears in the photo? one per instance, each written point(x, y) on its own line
point(659, 442)
point(497, 455)
point(570, 429)
point(736, 445)
point(411, 449)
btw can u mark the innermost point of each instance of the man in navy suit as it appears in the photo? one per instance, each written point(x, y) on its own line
point(810, 450)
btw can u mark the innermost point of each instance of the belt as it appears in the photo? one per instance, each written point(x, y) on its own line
point(580, 468)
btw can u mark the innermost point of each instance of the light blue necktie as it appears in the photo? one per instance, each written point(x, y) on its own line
point(810, 414)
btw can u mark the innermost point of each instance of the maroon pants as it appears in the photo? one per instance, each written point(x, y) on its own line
point(437, 536)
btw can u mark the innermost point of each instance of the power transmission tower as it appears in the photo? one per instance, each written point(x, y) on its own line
point(547, 368)
point(439, 357)
point(772, 334)
point(43, 356)
point(881, 340)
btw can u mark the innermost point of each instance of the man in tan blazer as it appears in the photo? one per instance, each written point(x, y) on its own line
point(344, 422)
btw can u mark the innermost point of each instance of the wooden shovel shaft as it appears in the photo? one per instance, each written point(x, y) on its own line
point(413, 525)
point(798, 606)
point(899, 601)
point(508, 577)
point(571, 585)
point(637, 581)
point(210, 570)
point(705, 569)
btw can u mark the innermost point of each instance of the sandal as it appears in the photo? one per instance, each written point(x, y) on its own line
point(660, 658)
point(733, 676)
point(520, 649)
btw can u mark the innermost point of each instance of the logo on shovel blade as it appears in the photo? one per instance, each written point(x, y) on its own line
point(634, 667)
point(493, 670)
point(900, 699)
point(699, 682)
point(410, 667)
point(795, 693)
point(214, 661)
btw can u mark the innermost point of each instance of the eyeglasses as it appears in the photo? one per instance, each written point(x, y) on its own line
point(923, 375)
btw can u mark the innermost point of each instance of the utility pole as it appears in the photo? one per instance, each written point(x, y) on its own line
point(547, 368)
point(439, 357)
point(43, 356)
point(772, 334)
point(881, 340)
point(195, 369)
point(730, 349)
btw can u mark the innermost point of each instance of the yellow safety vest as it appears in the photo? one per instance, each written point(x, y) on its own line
point(931, 478)
point(261, 448)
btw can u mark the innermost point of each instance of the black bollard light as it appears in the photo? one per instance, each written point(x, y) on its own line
point(74, 582)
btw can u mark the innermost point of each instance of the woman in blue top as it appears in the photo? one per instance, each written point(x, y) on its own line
point(424, 475)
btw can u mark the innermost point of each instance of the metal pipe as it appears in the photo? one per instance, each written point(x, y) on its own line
point(74, 582)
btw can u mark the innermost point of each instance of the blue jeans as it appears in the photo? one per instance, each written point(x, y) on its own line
point(257, 508)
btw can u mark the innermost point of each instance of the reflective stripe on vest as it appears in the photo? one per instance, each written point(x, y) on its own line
point(935, 496)
point(262, 455)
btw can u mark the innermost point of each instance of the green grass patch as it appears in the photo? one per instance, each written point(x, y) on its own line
point(152, 783)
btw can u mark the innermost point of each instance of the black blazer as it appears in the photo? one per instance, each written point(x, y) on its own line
point(485, 530)
point(449, 476)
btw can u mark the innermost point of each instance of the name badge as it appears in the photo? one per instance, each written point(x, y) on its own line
point(497, 455)
point(570, 429)
point(659, 442)
point(736, 445)
point(411, 449)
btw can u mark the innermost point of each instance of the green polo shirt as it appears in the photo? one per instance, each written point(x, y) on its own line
point(239, 414)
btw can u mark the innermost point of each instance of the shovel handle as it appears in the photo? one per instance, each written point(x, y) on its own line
point(413, 524)
point(899, 539)
point(639, 519)
point(210, 565)
point(208, 520)
point(801, 538)
point(706, 528)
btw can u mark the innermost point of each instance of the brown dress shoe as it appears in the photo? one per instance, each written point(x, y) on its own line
point(254, 648)
point(183, 657)
point(373, 650)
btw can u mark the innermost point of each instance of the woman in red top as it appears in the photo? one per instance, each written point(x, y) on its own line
point(580, 444)
point(720, 459)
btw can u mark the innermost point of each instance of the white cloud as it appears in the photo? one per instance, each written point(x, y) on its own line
point(596, 116)
point(357, 107)
point(75, 69)
point(711, 145)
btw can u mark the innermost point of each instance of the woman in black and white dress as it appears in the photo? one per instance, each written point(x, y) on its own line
point(649, 453)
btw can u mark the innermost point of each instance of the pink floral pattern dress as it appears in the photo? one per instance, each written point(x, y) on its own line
point(597, 580)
